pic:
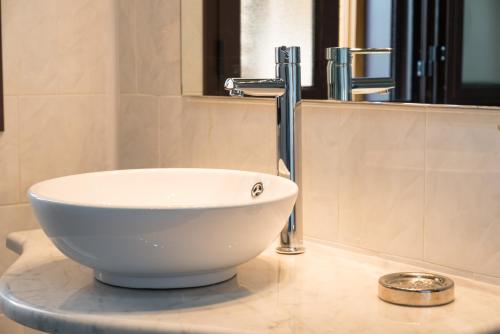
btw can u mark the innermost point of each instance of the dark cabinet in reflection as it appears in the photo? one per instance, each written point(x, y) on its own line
point(472, 71)
point(444, 51)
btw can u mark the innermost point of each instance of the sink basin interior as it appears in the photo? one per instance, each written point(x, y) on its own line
point(159, 188)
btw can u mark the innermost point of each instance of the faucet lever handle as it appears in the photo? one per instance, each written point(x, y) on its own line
point(342, 55)
point(358, 51)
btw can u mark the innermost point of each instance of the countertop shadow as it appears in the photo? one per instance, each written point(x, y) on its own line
point(66, 286)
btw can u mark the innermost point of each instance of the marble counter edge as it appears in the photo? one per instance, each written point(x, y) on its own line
point(25, 243)
point(37, 250)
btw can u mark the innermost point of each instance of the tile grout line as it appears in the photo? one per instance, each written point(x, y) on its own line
point(114, 86)
point(427, 265)
point(424, 204)
point(134, 37)
point(10, 205)
point(180, 46)
point(18, 144)
point(28, 95)
point(147, 95)
point(339, 171)
point(158, 132)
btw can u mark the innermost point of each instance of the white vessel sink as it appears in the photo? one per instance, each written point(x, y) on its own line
point(163, 228)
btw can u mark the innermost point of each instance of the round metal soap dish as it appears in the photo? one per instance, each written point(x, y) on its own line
point(416, 289)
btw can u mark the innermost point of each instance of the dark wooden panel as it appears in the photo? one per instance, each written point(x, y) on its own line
point(403, 49)
point(221, 44)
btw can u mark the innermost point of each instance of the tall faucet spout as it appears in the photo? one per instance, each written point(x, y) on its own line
point(286, 87)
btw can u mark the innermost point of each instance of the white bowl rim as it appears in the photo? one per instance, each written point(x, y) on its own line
point(33, 191)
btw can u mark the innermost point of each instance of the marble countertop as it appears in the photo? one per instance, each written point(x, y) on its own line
point(325, 290)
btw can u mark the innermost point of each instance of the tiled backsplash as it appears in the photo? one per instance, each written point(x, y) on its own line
point(416, 182)
point(462, 208)
point(149, 78)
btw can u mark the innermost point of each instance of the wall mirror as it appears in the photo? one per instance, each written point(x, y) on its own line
point(443, 51)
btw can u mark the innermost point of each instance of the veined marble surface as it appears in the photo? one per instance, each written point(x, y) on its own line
point(325, 290)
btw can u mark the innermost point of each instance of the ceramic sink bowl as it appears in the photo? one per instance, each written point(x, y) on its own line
point(163, 228)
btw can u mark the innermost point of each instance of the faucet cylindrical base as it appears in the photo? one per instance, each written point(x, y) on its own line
point(290, 250)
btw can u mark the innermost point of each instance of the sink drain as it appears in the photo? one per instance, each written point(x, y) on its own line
point(257, 189)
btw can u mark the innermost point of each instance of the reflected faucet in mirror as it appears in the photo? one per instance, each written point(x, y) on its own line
point(341, 84)
point(286, 87)
point(255, 87)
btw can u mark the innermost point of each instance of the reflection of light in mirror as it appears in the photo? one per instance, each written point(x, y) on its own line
point(266, 24)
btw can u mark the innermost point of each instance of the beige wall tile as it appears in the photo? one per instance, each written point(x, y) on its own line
point(13, 218)
point(463, 141)
point(172, 152)
point(56, 46)
point(61, 135)
point(29, 46)
point(138, 131)
point(382, 180)
point(320, 169)
point(158, 47)
point(463, 191)
point(219, 133)
point(9, 156)
point(192, 47)
point(82, 45)
point(127, 46)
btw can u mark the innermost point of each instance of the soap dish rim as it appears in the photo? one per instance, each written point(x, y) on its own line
point(398, 295)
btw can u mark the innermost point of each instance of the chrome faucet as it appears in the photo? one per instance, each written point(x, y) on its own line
point(286, 88)
point(341, 84)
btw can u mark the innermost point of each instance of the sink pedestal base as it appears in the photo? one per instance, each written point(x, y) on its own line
point(165, 282)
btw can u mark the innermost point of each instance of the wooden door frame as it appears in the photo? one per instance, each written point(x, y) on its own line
point(221, 44)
